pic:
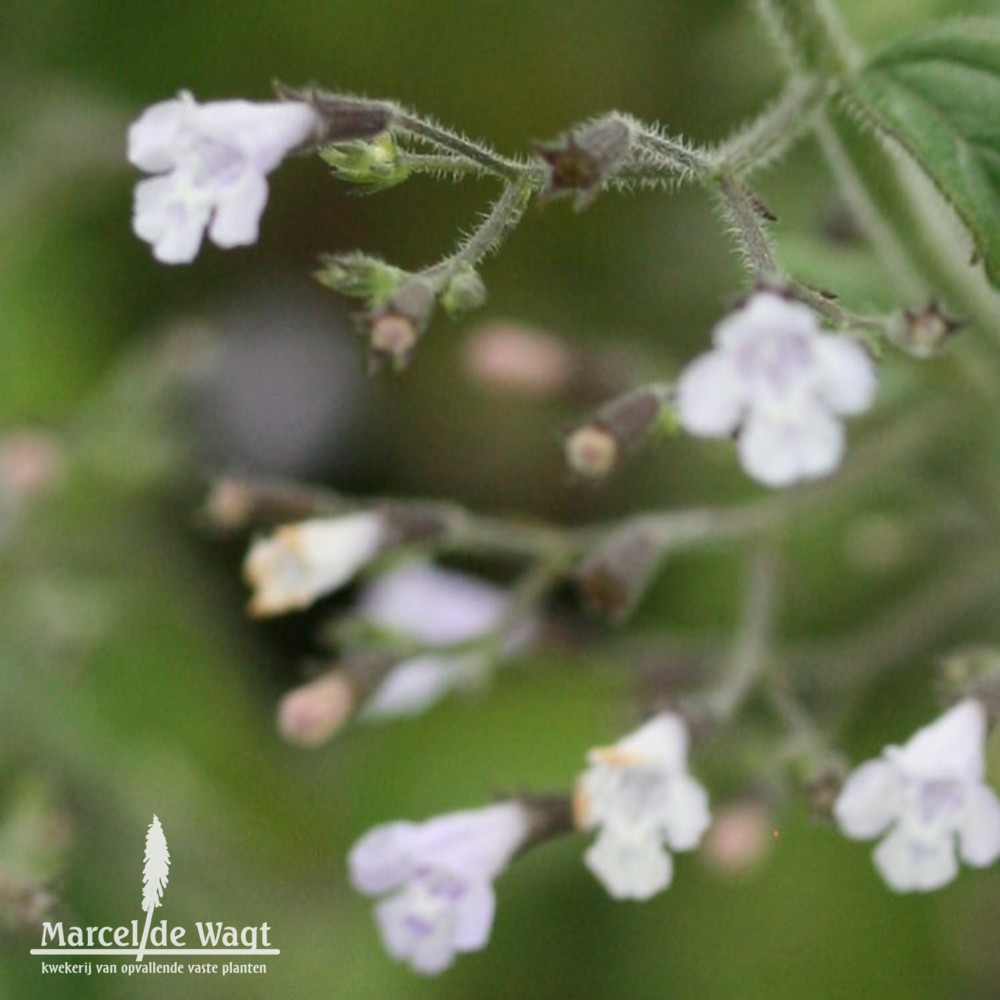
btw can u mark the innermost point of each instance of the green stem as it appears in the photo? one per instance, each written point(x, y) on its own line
point(810, 36)
point(744, 215)
point(504, 215)
point(676, 158)
point(446, 139)
point(750, 646)
point(770, 134)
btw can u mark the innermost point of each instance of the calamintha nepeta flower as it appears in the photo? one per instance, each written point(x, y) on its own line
point(437, 880)
point(300, 562)
point(641, 796)
point(780, 381)
point(440, 608)
point(925, 796)
point(211, 162)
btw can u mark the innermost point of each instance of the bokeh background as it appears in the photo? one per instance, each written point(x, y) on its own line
point(131, 681)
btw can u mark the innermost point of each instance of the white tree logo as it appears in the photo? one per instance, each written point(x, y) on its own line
point(155, 872)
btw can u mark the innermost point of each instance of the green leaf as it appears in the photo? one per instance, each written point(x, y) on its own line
point(938, 95)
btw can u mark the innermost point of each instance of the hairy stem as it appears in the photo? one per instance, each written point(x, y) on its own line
point(444, 138)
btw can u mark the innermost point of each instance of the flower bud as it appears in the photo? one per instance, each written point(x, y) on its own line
point(581, 161)
point(740, 837)
point(925, 332)
point(376, 165)
point(309, 715)
point(519, 360)
point(464, 293)
point(299, 563)
point(235, 504)
point(395, 328)
point(616, 574)
point(595, 448)
point(31, 463)
point(360, 276)
point(342, 119)
point(592, 451)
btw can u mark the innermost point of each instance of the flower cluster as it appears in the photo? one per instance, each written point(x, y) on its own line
point(211, 162)
point(640, 795)
point(437, 880)
point(925, 797)
point(780, 382)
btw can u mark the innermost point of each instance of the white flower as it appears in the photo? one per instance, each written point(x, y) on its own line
point(439, 608)
point(926, 796)
point(641, 796)
point(437, 878)
point(211, 161)
point(782, 382)
point(300, 562)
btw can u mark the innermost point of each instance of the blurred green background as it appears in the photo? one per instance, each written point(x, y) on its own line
point(130, 680)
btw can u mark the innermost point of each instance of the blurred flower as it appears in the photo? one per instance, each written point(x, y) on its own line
point(641, 796)
point(519, 360)
point(211, 161)
point(437, 878)
point(924, 796)
point(782, 382)
point(742, 834)
point(439, 608)
point(311, 713)
point(300, 562)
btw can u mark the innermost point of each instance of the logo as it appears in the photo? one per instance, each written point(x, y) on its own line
point(211, 939)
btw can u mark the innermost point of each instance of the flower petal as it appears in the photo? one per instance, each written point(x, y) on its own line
point(870, 800)
point(474, 916)
point(383, 858)
point(686, 814)
point(410, 688)
point(710, 397)
point(979, 834)
point(238, 207)
point(474, 843)
point(435, 605)
point(152, 138)
point(778, 452)
point(950, 747)
point(417, 929)
point(847, 381)
point(301, 562)
point(661, 741)
point(173, 224)
point(764, 314)
point(909, 865)
point(630, 868)
point(263, 133)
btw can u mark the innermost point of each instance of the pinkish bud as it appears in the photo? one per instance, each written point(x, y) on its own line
point(31, 463)
point(309, 715)
point(739, 838)
point(519, 360)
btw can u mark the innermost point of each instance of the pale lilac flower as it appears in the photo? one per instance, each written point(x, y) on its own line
point(437, 880)
point(435, 607)
point(640, 795)
point(780, 381)
point(300, 562)
point(927, 797)
point(211, 162)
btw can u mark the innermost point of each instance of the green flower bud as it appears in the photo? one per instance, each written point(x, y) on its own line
point(464, 292)
point(360, 276)
point(376, 165)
